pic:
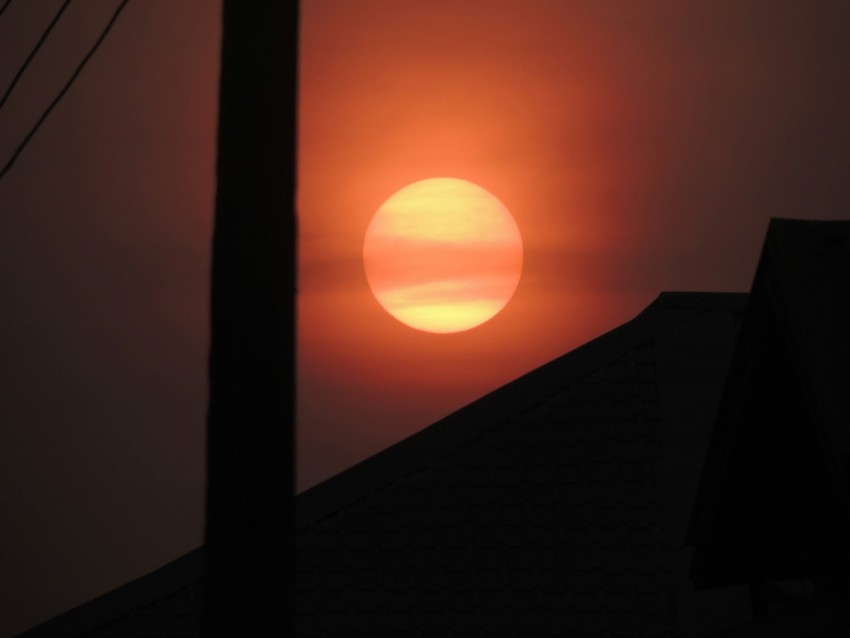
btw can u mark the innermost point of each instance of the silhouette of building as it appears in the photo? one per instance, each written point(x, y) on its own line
point(594, 496)
point(773, 507)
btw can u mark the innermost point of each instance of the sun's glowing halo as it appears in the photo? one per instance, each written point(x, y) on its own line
point(442, 255)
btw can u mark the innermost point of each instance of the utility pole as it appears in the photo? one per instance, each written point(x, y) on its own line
point(250, 422)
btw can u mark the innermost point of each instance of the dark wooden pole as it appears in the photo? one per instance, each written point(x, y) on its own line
point(250, 422)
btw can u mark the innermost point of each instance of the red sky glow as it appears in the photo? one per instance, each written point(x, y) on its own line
point(639, 146)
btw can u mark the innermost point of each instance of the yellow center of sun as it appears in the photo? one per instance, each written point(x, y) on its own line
point(442, 255)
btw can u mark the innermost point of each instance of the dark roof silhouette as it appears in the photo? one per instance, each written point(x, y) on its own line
point(549, 507)
point(773, 501)
point(163, 604)
point(814, 618)
point(556, 505)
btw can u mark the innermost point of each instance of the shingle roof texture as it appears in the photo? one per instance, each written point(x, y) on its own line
point(548, 524)
point(817, 618)
point(537, 511)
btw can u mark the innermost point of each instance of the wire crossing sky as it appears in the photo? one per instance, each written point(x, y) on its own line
point(33, 53)
point(5, 6)
point(65, 88)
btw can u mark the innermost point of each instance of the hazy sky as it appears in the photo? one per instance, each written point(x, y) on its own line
point(640, 146)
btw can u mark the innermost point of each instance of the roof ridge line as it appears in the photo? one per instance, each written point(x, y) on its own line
point(116, 603)
point(416, 451)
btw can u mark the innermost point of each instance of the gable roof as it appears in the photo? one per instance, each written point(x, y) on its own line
point(539, 509)
point(507, 402)
point(773, 499)
point(547, 506)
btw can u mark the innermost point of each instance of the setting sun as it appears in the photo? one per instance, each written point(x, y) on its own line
point(443, 255)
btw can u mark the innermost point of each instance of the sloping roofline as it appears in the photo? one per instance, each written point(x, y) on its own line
point(115, 604)
point(410, 454)
point(801, 284)
point(500, 405)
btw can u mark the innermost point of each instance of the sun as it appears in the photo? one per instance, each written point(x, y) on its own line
point(443, 255)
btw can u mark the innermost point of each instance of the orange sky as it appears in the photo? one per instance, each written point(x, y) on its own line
point(422, 90)
point(639, 146)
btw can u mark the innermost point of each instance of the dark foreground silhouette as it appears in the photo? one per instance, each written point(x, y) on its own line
point(683, 475)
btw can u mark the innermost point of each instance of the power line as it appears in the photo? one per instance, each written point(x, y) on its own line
point(5, 4)
point(35, 50)
point(65, 88)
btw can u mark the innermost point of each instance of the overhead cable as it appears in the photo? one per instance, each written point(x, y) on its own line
point(64, 90)
point(35, 50)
